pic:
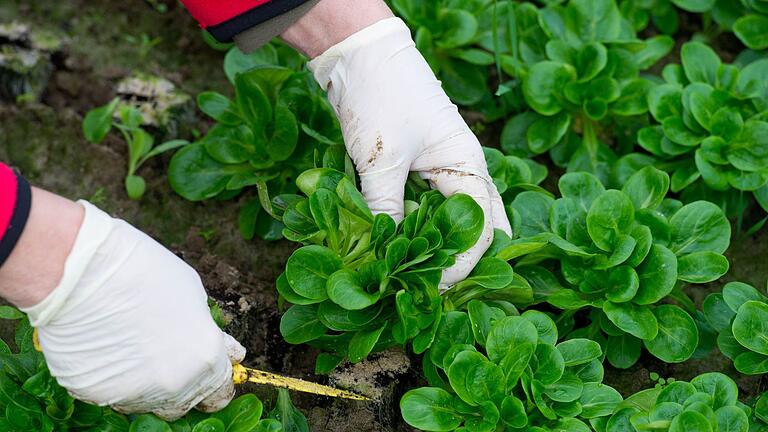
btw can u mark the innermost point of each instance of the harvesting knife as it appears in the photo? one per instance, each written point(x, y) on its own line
point(242, 374)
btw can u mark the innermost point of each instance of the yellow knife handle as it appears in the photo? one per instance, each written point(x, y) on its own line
point(242, 374)
point(239, 374)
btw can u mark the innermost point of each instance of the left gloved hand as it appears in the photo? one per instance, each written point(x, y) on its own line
point(396, 118)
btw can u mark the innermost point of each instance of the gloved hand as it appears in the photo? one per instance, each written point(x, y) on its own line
point(396, 118)
point(129, 326)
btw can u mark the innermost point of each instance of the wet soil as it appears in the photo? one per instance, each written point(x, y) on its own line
point(45, 141)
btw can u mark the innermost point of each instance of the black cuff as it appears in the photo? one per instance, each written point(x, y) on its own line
point(18, 220)
point(227, 30)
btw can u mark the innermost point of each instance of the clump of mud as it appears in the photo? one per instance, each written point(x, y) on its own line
point(25, 60)
point(375, 377)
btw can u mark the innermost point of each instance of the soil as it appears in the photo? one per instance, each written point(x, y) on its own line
point(44, 140)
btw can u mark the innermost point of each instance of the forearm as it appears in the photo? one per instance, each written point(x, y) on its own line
point(332, 21)
point(36, 264)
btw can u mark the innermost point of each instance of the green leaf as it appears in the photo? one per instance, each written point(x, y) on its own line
point(460, 220)
point(636, 320)
point(678, 132)
point(252, 101)
point(647, 188)
point(761, 407)
point(242, 414)
point(579, 351)
point(753, 31)
point(695, 5)
point(736, 294)
point(507, 333)
point(533, 208)
point(717, 312)
point(658, 274)
point(690, 421)
point(430, 408)
point(218, 107)
point(591, 60)
point(135, 187)
point(513, 412)
point(749, 151)
point(547, 364)
point(309, 268)
point(722, 388)
point(454, 328)
point(547, 131)
point(300, 324)
point(622, 351)
point(196, 176)
point(654, 49)
point(750, 327)
point(236, 61)
point(702, 267)
point(585, 188)
point(491, 273)
point(700, 62)
point(665, 101)
point(677, 337)
point(633, 99)
point(10, 313)
point(544, 83)
point(362, 343)
point(732, 418)
point(610, 217)
point(751, 363)
point(623, 283)
point(285, 134)
point(482, 317)
point(346, 289)
point(546, 328)
point(98, 122)
point(461, 26)
point(598, 400)
point(209, 425)
point(148, 423)
point(699, 226)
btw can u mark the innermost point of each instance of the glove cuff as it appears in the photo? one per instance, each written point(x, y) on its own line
point(323, 65)
point(94, 230)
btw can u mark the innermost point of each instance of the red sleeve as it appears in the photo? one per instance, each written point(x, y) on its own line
point(8, 188)
point(15, 204)
point(212, 12)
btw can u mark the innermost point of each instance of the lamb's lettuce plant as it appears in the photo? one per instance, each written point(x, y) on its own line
point(740, 315)
point(579, 67)
point(712, 131)
point(32, 400)
point(620, 253)
point(141, 144)
point(491, 369)
point(709, 402)
point(363, 283)
point(273, 130)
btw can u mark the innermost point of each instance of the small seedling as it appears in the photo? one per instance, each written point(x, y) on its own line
point(141, 145)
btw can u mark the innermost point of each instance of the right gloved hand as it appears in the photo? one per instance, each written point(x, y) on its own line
point(396, 118)
point(129, 326)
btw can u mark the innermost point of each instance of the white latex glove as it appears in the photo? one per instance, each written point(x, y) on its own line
point(396, 118)
point(129, 326)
